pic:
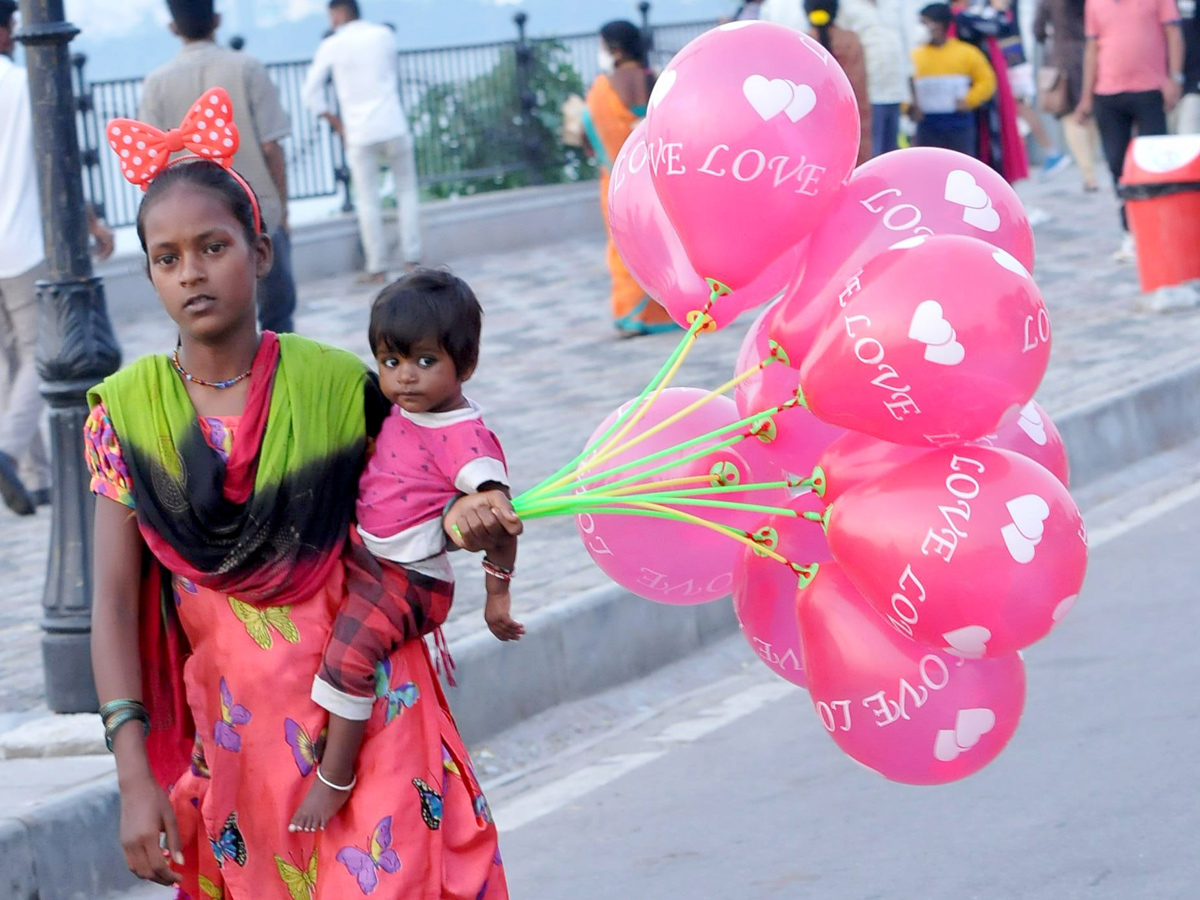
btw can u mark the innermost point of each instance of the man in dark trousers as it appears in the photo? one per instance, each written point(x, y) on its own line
point(169, 93)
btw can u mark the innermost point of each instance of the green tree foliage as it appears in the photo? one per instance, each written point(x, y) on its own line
point(471, 135)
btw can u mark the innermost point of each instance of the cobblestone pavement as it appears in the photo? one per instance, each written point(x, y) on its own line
point(550, 371)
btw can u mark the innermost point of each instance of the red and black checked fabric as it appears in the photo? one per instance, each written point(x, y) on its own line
point(385, 606)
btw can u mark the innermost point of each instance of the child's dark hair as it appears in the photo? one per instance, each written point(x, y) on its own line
point(428, 304)
point(206, 174)
point(821, 14)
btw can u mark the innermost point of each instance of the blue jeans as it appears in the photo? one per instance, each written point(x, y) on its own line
point(277, 289)
point(964, 139)
point(885, 127)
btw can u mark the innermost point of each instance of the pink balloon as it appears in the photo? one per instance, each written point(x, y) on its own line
point(912, 714)
point(667, 561)
point(967, 549)
point(902, 194)
point(764, 590)
point(855, 459)
point(655, 257)
point(1033, 434)
point(941, 339)
point(793, 440)
point(753, 128)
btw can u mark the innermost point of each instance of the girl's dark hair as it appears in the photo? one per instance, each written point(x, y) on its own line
point(428, 304)
point(830, 9)
point(626, 37)
point(939, 13)
point(206, 174)
point(629, 39)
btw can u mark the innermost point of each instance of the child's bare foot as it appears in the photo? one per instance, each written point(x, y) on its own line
point(318, 807)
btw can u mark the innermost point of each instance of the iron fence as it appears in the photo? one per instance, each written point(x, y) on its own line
point(483, 117)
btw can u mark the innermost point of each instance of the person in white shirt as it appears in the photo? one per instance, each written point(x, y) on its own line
point(362, 59)
point(22, 264)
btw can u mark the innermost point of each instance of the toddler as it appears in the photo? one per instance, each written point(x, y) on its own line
point(432, 448)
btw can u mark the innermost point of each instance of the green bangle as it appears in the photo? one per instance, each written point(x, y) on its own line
point(112, 707)
point(124, 717)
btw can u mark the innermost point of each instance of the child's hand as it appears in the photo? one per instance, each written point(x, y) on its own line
point(482, 521)
point(496, 613)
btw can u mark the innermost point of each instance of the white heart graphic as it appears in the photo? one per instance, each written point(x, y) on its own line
point(1030, 422)
point(769, 97)
point(928, 324)
point(945, 746)
point(972, 724)
point(1010, 262)
point(1064, 606)
point(986, 219)
point(908, 243)
point(948, 354)
point(1020, 548)
point(970, 641)
point(666, 81)
point(804, 100)
point(1029, 513)
point(963, 189)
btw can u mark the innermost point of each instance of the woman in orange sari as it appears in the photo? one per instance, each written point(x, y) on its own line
point(615, 102)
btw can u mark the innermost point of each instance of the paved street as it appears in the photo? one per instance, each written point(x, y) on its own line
point(551, 371)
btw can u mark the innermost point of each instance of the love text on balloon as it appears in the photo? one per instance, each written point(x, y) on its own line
point(869, 351)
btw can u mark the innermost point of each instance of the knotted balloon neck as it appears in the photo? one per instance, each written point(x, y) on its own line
point(822, 517)
point(806, 574)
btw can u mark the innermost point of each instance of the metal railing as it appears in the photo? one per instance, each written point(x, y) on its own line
point(483, 117)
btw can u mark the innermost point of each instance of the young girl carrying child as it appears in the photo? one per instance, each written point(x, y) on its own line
point(226, 471)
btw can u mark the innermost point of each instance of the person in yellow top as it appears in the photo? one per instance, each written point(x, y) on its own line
point(951, 79)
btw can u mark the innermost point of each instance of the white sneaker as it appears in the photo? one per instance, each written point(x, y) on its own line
point(1127, 252)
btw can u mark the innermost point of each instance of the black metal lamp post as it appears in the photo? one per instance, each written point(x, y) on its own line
point(76, 349)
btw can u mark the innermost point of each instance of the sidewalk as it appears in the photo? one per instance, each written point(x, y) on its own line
point(550, 371)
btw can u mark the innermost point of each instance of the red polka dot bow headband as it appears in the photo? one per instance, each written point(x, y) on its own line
point(207, 132)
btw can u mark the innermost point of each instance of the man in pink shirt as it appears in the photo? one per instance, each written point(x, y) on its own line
point(1132, 76)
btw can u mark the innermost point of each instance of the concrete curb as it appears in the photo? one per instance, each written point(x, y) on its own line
point(595, 640)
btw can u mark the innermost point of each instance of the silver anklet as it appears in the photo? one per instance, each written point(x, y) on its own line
point(337, 787)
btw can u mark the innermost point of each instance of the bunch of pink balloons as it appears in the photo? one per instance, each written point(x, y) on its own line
point(889, 385)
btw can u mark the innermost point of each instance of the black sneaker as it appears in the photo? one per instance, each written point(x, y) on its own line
point(13, 491)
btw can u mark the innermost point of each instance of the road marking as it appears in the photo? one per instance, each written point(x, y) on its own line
point(544, 800)
point(1143, 514)
point(551, 797)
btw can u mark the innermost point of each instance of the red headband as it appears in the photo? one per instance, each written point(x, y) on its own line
point(207, 131)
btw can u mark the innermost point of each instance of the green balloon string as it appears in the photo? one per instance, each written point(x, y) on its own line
point(665, 500)
point(622, 418)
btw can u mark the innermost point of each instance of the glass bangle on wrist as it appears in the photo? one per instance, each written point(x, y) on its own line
point(117, 713)
point(498, 571)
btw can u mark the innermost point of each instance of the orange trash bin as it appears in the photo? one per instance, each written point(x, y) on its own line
point(1161, 189)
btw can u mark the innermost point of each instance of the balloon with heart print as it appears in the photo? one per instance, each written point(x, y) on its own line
point(790, 442)
point(918, 191)
point(1031, 433)
point(752, 131)
point(914, 715)
point(944, 339)
point(856, 458)
point(764, 590)
point(655, 257)
point(665, 560)
point(966, 549)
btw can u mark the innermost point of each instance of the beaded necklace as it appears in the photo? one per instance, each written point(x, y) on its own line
point(219, 385)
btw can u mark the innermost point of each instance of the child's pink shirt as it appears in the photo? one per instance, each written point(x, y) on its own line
point(421, 462)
